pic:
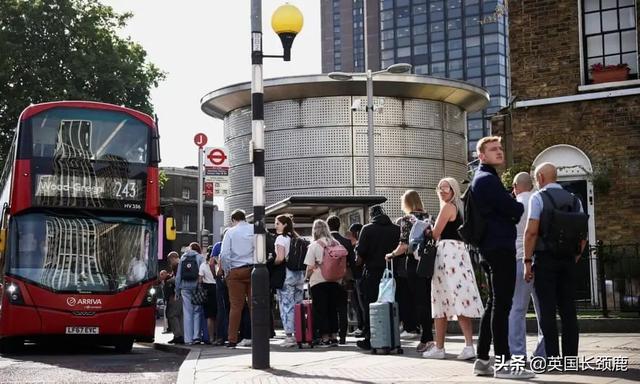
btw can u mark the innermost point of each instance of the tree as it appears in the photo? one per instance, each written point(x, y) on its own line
point(67, 50)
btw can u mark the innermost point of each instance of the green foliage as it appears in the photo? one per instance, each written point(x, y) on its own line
point(511, 172)
point(68, 50)
point(162, 178)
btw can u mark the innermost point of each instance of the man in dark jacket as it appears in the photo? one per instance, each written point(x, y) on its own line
point(343, 321)
point(377, 238)
point(501, 213)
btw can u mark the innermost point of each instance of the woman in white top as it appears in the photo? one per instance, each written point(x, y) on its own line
point(454, 294)
point(211, 306)
point(326, 295)
point(291, 292)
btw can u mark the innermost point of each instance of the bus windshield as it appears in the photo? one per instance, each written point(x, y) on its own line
point(75, 134)
point(82, 253)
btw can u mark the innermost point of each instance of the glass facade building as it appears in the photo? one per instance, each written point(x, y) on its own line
point(456, 39)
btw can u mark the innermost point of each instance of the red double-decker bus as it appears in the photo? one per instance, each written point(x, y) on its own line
point(79, 227)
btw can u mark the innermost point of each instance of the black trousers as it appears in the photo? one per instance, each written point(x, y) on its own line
point(500, 269)
point(370, 285)
point(554, 282)
point(343, 318)
point(421, 286)
point(326, 297)
point(357, 300)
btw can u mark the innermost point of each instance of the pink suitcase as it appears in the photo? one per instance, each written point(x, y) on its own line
point(303, 322)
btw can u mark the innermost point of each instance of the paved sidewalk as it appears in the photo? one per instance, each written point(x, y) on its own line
point(348, 364)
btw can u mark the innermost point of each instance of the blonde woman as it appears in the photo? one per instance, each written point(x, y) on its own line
point(414, 297)
point(454, 294)
point(325, 294)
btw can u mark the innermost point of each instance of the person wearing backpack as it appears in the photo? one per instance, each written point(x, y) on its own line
point(377, 238)
point(186, 284)
point(500, 213)
point(292, 289)
point(554, 239)
point(343, 321)
point(418, 294)
point(524, 292)
point(324, 282)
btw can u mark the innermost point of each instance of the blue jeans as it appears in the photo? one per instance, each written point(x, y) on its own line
point(517, 317)
point(192, 316)
point(288, 297)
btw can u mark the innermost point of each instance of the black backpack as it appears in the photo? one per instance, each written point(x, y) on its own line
point(190, 268)
point(566, 228)
point(297, 253)
point(474, 225)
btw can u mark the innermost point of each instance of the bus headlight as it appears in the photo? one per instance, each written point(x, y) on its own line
point(150, 297)
point(14, 294)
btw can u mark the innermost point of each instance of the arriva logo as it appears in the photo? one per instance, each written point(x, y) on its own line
point(72, 301)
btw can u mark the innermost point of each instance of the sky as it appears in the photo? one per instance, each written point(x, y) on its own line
point(204, 45)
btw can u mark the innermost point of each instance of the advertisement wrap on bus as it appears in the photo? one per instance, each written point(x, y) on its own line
point(80, 226)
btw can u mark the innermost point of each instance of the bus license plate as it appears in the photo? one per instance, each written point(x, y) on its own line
point(82, 330)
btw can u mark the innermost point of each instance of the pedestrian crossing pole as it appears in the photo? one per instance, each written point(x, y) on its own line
point(286, 22)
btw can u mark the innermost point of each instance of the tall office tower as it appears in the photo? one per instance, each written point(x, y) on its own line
point(456, 39)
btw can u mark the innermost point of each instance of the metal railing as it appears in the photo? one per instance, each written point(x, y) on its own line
point(618, 277)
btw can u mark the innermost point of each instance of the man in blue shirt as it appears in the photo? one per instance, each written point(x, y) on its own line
point(236, 260)
point(501, 213)
point(554, 273)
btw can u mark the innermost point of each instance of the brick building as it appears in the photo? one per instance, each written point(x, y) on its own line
point(590, 130)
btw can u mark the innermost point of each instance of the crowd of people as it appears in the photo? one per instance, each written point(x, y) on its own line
point(519, 253)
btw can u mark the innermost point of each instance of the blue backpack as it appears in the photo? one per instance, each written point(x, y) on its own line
point(190, 268)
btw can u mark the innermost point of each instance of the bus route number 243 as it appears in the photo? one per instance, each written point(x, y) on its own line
point(125, 191)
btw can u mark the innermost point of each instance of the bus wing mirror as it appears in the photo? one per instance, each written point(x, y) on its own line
point(3, 240)
point(170, 228)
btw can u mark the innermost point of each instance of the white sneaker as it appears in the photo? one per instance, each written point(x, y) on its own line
point(245, 343)
point(506, 373)
point(467, 353)
point(409, 335)
point(434, 353)
point(482, 368)
point(289, 342)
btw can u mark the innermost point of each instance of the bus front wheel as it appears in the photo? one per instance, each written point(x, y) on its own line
point(124, 345)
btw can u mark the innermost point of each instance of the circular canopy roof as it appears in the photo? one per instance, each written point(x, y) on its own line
point(467, 96)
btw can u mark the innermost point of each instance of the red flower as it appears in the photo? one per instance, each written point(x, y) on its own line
point(599, 67)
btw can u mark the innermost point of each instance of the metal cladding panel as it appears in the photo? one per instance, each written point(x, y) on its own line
point(318, 146)
point(238, 150)
point(322, 142)
point(311, 174)
point(283, 114)
point(323, 111)
point(456, 119)
point(237, 123)
point(399, 141)
point(408, 173)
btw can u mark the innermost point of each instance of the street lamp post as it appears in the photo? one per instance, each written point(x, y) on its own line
point(286, 22)
point(344, 76)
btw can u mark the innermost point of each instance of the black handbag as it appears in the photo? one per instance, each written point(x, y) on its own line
point(199, 296)
point(427, 252)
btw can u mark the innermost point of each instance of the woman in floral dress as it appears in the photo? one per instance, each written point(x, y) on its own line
point(454, 294)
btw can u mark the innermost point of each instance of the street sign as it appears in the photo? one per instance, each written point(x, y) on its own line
point(220, 185)
point(216, 157)
point(200, 139)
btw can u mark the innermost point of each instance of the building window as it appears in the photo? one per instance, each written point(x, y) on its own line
point(609, 34)
point(186, 218)
point(186, 193)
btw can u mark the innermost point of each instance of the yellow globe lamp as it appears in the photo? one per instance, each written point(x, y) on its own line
point(287, 22)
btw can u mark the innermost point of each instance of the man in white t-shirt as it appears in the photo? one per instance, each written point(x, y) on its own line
point(522, 187)
point(210, 307)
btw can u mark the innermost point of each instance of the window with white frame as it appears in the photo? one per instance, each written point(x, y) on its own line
point(186, 193)
point(186, 218)
point(609, 32)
